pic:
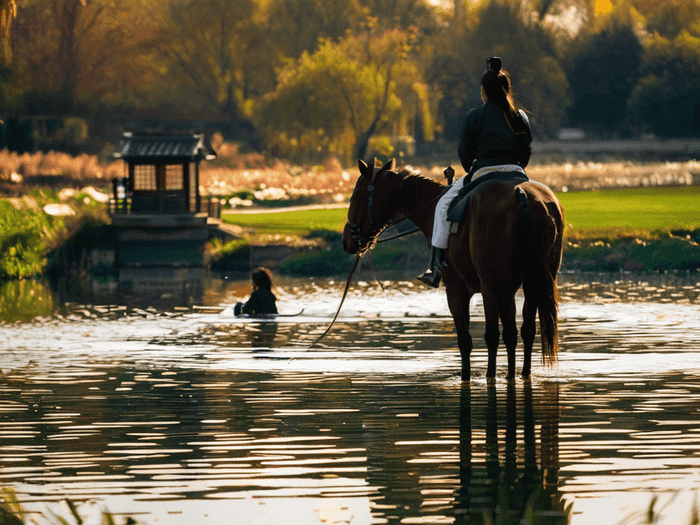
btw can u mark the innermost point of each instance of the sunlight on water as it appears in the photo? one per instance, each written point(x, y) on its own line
point(175, 415)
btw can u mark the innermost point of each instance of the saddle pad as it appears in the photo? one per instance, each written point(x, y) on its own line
point(455, 210)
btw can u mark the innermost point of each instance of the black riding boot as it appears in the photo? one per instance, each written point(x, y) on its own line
point(433, 274)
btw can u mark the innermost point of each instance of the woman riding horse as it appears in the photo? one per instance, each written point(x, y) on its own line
point(511, 235)
point(496, 137)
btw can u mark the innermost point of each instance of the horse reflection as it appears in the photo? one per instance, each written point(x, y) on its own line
point(512, 487)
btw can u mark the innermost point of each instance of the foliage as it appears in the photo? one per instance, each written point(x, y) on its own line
point(207, 42)
point(666, 100)
point(8, 11)
point(322, 263)
point(322, 78)
point(670, 17)
point(81, 50)
point(298, 27)
point(12, 513)
point(501, 28)
point(603, 74)
point(28, 234)
point(340, 95)
point(231, 256)
point(22, 241)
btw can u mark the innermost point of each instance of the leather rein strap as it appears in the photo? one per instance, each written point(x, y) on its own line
point(355, 229)
point(355, 262)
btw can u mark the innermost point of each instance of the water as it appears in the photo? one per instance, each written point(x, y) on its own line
point(184, 414)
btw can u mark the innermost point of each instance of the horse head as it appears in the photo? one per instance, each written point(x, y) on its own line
point(369, 212)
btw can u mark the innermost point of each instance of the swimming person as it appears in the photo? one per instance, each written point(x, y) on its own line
point(262, 301)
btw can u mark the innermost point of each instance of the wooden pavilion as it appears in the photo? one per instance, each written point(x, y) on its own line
point(156, 208)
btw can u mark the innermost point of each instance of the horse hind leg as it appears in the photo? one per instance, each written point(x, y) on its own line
point(527, 332)
point(505, 312)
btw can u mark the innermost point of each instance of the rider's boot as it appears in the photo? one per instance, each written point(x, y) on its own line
point(433, 275)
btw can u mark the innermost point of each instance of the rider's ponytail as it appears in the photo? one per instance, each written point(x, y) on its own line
point(496, 84)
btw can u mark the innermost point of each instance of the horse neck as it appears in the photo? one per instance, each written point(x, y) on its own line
point(417, 198)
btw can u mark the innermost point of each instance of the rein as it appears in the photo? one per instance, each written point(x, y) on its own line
point(345, 293)
point(370, 242)
point(416, 229)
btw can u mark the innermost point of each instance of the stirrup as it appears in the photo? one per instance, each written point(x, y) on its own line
point(431, 278)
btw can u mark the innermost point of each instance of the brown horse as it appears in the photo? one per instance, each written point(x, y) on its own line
point(511, 234)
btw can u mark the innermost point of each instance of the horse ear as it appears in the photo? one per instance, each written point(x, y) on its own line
point(364, 168)
point(389, 166)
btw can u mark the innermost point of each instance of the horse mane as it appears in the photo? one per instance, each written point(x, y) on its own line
point(414, 183)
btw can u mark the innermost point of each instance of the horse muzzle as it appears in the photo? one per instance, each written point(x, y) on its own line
point(355, 242)
point(351, 244)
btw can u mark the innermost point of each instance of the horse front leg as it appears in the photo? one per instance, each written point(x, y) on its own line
point(458, 298)
point(492, 335)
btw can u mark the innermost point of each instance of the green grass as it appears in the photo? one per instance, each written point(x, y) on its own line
point(607, 214)
point(649, 229)
point(644, 213)
point(298, 223)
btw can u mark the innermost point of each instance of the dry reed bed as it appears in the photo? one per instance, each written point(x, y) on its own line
point(234, 172)
point(334, 181)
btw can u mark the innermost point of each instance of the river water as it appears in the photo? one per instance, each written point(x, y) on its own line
point(181, 413)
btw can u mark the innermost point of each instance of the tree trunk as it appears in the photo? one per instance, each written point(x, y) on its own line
point(67, 15)
point(362, 145)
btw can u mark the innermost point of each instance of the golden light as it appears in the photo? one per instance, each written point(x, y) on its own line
point(603, 7)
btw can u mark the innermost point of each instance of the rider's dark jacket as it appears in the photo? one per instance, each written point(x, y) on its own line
point(262, 302)
point(489, 138)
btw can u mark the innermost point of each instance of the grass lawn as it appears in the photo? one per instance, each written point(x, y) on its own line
point(641, 212)
point(295, 223)
point(606, 230)
point(610, 214)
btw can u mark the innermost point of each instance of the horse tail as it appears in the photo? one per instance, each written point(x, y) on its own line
point(533, 237)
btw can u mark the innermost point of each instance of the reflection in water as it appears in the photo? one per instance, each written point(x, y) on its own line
point(515, 488)
point(25, 300)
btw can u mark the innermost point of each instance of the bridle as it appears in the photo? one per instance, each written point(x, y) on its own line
point(368, 240)
point(365, 242)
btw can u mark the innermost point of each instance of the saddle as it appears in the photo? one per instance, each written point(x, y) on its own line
point(455, 210)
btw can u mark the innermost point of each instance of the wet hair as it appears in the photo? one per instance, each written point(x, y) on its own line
point(262, 278)
point(496, 84)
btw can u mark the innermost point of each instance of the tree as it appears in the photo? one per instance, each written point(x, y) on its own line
point(501, 28)
point(603, 74)
point(295, 27)
point(403, 13)
point(666, 100)
point(206, 42)
point(670, 17)
point(341, 95)
point(8, 11)
point(67, 50)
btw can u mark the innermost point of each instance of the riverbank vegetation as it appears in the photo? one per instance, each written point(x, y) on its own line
point(39, 222)
point(620, 215)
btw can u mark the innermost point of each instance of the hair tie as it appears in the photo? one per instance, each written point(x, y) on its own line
point(494, 64)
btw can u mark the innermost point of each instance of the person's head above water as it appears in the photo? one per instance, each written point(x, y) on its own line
point(262, 278)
